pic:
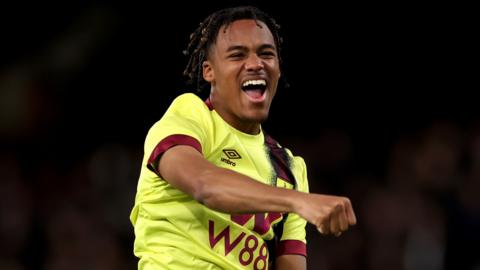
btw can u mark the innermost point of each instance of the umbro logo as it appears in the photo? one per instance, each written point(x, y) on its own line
point(231, 154)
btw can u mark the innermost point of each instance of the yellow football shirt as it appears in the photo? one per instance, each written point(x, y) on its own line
point(173, 231)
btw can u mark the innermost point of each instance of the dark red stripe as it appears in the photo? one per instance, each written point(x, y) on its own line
point(291, 247)
point(241, 219)
point(263, 224)
point(209, 104)
point(280, 155)
point(167, 143)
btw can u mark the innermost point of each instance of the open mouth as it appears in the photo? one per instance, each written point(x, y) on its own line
point(255, 88)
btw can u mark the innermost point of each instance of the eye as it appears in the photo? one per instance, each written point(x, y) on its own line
point(267, 54)
point(236, 55)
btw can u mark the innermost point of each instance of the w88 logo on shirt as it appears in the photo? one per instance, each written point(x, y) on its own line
point(250, 250)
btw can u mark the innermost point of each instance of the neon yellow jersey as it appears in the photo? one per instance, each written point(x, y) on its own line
point(173, 231)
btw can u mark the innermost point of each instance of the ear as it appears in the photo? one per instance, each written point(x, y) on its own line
point(207, 69)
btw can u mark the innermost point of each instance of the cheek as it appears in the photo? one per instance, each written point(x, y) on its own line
point(275, 69)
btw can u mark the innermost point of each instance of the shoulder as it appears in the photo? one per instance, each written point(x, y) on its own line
point(188, 101)
point(187, 119)
point(186, 110)
point(187, 97)
point(187, 107)
point(186, 113)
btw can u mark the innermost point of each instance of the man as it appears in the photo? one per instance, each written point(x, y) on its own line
point(216, 192)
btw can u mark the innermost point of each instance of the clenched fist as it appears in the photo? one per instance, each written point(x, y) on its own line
point(330, 214)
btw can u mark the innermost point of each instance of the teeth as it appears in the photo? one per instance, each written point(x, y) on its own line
point(254, 82)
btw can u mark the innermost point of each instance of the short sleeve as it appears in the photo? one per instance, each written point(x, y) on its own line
point(184, 123)
point(293, 239)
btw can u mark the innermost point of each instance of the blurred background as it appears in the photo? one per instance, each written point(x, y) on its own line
point(381, 106)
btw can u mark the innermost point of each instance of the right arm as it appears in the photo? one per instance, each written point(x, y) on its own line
point(231, 192)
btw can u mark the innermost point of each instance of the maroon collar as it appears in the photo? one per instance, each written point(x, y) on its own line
point(209, 104)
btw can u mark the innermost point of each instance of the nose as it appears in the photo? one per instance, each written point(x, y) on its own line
point(254, 63)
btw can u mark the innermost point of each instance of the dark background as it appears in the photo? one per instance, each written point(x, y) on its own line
point(378, 93)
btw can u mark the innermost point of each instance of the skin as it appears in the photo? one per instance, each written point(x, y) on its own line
point(242, 51)
point(246, 51)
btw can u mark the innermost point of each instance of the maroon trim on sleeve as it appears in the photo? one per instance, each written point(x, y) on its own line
point(291, 247)
point(167, 143)
point(209, 104)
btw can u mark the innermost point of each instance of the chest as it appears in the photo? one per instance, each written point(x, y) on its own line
point(250, 160)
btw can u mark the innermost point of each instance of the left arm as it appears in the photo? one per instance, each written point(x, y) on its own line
point(291, 262)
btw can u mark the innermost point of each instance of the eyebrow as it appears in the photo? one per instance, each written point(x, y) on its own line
point(243, 48)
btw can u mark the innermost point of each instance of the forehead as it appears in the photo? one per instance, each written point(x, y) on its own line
point(245, 31)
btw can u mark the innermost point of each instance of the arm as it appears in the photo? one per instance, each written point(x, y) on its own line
point(231, 192)
point(291, 262)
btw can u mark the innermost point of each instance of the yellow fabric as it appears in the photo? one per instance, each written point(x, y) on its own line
point(173, 231)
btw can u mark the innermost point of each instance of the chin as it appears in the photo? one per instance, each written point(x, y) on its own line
point(259, 117)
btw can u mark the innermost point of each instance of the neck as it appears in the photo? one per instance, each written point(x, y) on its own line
point(243, 125)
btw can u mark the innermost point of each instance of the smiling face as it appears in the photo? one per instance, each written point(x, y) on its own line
point(243, 69)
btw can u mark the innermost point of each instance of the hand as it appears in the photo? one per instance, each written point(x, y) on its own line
point(330, 214)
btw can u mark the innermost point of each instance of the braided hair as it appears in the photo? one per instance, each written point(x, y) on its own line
point(206, 34)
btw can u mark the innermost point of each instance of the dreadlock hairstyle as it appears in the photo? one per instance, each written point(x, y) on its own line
point(206, 34)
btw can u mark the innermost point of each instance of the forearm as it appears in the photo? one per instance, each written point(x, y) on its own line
point(222, 189)
point(231, 192)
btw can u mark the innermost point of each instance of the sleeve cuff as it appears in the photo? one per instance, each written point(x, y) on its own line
point(167, 143)
point(291, 247)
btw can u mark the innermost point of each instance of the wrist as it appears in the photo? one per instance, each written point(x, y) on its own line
point(296, 201)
